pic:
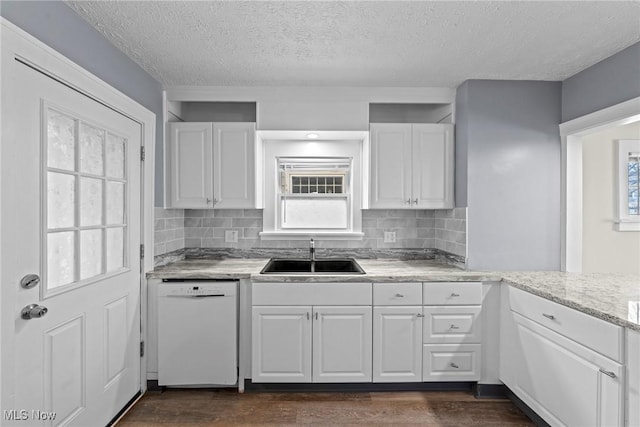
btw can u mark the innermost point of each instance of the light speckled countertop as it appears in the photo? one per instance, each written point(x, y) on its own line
point(611, 297)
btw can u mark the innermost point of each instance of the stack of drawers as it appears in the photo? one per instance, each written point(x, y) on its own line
point(452, 331)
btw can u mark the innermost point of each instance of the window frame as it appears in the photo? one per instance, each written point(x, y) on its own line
point(625, 221)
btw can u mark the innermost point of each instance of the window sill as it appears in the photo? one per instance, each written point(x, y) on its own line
point(627, 225)
point(306, 235)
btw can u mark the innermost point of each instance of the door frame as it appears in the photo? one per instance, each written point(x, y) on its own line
point(571, 134)
point(16, 43)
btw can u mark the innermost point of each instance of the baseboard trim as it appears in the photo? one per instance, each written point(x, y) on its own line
point(490, 391)
point(152, 385)
point(357, 387)
point(537, 419)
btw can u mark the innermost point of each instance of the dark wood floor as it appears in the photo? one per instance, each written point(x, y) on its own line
point(229, 408)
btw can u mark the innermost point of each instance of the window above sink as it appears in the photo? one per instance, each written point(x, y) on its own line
point(313, 188)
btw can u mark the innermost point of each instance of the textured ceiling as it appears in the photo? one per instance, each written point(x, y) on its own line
point(362, 43)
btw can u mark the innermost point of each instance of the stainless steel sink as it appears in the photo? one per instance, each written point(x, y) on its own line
point(307, 266)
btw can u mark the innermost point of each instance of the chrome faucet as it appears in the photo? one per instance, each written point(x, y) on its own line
point(312, 250)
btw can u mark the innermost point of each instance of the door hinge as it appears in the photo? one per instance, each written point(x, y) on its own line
point(142, 154)
point(141, 251)
point(141, 348)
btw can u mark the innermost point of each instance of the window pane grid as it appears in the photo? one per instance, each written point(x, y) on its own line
point(91, 243)
point(316, 184)
point(633, 181)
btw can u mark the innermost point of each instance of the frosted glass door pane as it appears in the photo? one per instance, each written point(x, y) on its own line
point(61, 141)
point(115, 248)
point(90, 201)
point(60, 200)
point(115, 202)
point(90, 253)
point(115, 156)
point(60, 259)
point(91, 150)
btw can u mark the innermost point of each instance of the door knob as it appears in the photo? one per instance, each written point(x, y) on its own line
point(33, 311)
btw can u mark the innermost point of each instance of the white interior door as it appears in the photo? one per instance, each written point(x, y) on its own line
point(74, 214)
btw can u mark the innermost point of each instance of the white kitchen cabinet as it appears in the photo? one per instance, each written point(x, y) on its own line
point(412, 166)
point(281, 342)
point(632, 398)
point(562, 380)
point(190, 172)
point(336, 315)
point(284, 352)
point(397, 344)
point(341, 344)
point(452, 331)
point(397, 332)
point(234, 165)
point(211, 165)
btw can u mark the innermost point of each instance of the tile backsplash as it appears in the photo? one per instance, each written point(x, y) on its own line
point(168, 230)
point(205, 228)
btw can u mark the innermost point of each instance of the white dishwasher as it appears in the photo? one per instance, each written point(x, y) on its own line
point(197, 333)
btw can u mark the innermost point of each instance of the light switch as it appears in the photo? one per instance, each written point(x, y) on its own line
point(231, 236)
point(389, 237)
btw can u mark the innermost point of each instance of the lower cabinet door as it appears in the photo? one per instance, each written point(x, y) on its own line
point(451, 362)
point(564, 382)
point(342, 341)
point(281, 344)
point(397, 344)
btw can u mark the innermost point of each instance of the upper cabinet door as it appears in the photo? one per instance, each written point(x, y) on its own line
point(390, 165)
point(190, 165)
point(432, 166)
point(234, 165)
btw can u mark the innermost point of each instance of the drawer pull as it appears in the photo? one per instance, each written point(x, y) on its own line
point(549, 316)
point(453, 365)
point(454, 327)
point(419, 315)
point(608, 373)
point(399, 296)
point(453, 294)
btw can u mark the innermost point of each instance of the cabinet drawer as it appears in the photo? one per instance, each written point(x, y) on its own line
point(278, 293)
point(451, 362)
point(596, 334)
point(397, 294)
point(452, 293)
point(450, 324)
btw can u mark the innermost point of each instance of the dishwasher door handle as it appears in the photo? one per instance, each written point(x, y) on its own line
point(196, 296)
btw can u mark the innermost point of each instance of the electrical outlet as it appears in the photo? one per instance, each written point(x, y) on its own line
point(231, 236)
point(389, 237)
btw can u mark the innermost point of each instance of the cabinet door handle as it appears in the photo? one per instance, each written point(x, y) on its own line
point(208, 200)
point(453, 327)
point(408, 202)
point(415, 201)
point(399, 296)
point(307, 315)
point(419, 315)
point(608, 373)
point(549, 316)
point(316, 315)
point(453, 365)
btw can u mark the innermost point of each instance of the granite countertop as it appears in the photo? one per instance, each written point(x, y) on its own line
point(611, 297)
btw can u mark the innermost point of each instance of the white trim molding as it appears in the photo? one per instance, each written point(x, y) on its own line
point(572, 133)
point(625, 149)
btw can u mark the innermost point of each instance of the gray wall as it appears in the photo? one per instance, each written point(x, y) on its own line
point(58, 26)
point(609, 82)
point(512, 142)
point(462, 144)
